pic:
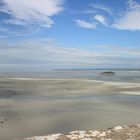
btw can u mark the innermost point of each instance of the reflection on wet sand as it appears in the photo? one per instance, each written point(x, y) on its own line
point(36, 106)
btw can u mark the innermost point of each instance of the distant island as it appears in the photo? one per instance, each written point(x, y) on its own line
point(108, 73)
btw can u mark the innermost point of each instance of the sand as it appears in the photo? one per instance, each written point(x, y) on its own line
point(36, 106)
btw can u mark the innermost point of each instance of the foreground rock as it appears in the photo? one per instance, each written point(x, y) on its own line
point(116, 133)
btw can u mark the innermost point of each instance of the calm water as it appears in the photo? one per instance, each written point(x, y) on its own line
point(121, 75)
point(44, 103)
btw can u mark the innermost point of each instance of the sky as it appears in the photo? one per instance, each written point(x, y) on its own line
point(39, 35)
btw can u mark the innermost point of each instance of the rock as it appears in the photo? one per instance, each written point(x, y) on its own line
point(118, 128)
point(49, 137)
point(54, 136)
point(77, 132)
point(95, 133)
point(103, 134)
point(72, 137)
point(116, 133)
point(86, 139)
point(108, 131)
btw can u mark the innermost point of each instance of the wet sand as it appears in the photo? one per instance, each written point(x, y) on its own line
point(40, 106)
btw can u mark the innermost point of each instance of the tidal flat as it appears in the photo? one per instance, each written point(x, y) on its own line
point(31, 106)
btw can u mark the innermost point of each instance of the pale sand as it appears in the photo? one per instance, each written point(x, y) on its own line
point(39, 106)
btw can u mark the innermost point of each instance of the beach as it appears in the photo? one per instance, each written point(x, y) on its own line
point(116, 133)
point(36, 106)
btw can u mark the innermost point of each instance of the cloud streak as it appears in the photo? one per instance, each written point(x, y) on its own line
point(101, 19)
point(42, 55)
point(85, 24)
point(101, 7)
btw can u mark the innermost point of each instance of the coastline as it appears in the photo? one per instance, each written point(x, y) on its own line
point(117, 133)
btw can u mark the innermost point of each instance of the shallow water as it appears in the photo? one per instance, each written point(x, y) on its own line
point(39, 106)
point(120, 75)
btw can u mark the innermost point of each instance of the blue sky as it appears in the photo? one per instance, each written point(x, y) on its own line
point(52, 34)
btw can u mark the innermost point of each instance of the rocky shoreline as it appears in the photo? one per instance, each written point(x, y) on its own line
point(116, 133)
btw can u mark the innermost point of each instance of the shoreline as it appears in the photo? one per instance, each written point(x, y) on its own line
point(117, 133)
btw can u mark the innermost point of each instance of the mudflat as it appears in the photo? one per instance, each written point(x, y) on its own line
point(40, 106)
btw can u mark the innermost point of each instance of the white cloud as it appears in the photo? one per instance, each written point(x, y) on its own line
point(130, 20)
point(101, 7)
point(101, 19)
point(32, 11)
point(85, 24)
point(92, 25)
